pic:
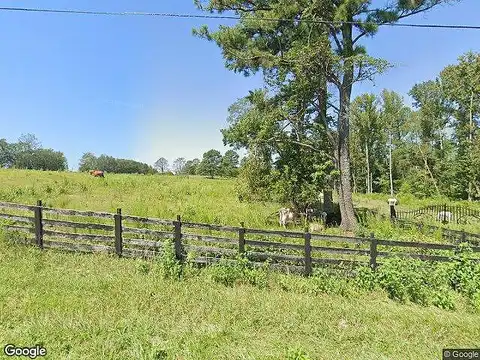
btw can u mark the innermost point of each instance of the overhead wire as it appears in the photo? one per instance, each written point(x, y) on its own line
point(227, 17)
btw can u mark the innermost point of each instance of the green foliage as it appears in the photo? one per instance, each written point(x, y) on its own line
point(191, 166)
point(101, 307)
point(229, 165)
point(87, 162)
point(465, 275)
point(424, 283)
point(179, 165)
point(297, 354)
point(7, 154)
point(171, 267)
point(368, 143)
point(254, 180)
point(27, 153)
point(110, 164)
point(241, 270)
point(41, 159)
point(210, 164)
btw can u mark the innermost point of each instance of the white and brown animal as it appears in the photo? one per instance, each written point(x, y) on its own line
point(287, 215)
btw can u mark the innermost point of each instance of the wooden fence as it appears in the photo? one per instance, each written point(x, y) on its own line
point(134, 236)
point(453, 236)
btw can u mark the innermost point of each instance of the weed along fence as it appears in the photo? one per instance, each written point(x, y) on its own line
point(134, 236)
point(453, 236)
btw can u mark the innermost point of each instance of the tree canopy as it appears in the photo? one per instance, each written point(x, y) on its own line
point(310, 55)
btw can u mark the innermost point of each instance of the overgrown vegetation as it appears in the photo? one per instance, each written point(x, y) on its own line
point(302, 116)
point(444, 285)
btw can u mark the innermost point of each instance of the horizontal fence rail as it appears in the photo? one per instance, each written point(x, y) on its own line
point(145, 237)
point(456, 236)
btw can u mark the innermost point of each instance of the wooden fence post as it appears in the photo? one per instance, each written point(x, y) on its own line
point(39, 224)
point(118, 232)
point(241, 238)
point(373, 251)
point(308, 254)
point(178, 238)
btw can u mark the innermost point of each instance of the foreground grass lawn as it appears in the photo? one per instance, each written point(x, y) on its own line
point(100, 307)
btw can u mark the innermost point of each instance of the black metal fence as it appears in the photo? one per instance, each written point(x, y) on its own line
point(443, 213)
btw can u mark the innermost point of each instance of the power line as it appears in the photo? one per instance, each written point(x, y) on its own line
point(226, 17)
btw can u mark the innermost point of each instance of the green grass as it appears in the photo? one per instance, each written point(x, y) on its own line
point(101, 307)
point(195, 198)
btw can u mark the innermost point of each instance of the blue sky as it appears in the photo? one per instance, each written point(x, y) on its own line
point(142, 88)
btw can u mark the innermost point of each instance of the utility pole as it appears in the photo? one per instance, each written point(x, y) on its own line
point(390, 164)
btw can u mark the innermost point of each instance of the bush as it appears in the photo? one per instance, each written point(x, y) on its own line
point(297, 354)
point(465, 276)
point(171, 267)
point(230, 273)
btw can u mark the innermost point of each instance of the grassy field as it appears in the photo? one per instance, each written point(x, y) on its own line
point(196, 199)
point(101, 307)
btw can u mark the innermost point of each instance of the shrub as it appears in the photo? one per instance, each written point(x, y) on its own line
point(297, 354)
point(171, 267)
point(229, 272)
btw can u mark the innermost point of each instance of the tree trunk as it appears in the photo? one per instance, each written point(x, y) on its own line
point(368, 169)
point(427, 167)
point(349, 222)
point(371, 182)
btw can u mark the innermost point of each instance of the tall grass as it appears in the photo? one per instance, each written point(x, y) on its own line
point(196, 199)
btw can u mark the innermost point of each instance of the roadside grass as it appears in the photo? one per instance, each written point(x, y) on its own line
point(100, 307)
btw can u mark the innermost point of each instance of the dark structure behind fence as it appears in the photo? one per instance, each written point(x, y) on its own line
point(134, 236)
point(459, 214)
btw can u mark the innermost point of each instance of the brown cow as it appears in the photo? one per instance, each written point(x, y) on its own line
point(97, 173)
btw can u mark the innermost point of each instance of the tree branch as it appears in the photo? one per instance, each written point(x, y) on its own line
point(333, 32)
point(403, 15)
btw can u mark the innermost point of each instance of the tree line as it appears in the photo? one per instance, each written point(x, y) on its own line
point(212, 164)
point(110, 164)
point(27, 153)
point(432, 149)
point(298, 130)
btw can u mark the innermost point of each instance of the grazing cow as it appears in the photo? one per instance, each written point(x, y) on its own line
point(287, 216)
point(444, 216)
point(97, 173)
